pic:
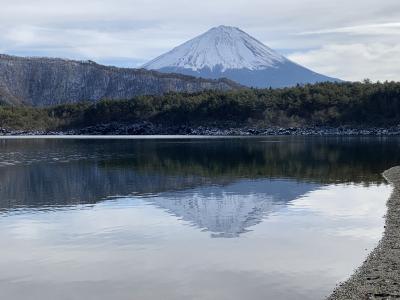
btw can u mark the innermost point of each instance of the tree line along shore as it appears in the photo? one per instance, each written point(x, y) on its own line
point(334, 105)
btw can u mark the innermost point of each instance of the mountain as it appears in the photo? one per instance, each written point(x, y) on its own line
point(231, 53)
point(48, 81)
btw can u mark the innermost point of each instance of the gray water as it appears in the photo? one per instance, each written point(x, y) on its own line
point(249, 218)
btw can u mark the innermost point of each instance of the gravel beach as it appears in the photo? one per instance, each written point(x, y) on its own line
point(148, 128)
point(379, 276)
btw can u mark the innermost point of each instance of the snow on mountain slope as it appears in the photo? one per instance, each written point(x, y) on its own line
point(221, 47)
point(230, 52)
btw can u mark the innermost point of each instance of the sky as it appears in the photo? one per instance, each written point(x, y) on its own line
point(351, 40)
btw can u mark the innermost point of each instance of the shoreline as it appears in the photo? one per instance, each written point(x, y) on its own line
point(379, 276)
point(148, 128)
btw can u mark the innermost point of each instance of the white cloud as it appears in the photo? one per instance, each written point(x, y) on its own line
point(365, 29)
point(357, 61)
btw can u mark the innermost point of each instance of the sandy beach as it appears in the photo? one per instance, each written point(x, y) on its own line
point(379, 276)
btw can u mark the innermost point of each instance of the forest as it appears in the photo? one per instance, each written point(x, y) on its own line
point(364, 104)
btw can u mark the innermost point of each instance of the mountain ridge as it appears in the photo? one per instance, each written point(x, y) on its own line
point(43, 81)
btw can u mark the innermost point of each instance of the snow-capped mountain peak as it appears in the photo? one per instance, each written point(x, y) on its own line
point(221, 48)
point(231, 53)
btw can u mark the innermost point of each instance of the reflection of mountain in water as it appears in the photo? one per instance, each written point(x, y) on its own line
point(43, 173)
point(231, 210)
point(225, 206)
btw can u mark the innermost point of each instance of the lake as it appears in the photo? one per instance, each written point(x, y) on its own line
point(188, 218)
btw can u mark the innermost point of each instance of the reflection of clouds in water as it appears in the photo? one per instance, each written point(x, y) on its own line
point(127, 246)
point(362, 207)
point(26, 229)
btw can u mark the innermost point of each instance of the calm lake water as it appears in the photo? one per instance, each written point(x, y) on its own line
point(250, 218)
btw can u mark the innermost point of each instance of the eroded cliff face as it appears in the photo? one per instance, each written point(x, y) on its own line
point(48, 81)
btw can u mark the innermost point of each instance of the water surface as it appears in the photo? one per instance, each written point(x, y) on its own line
point(249, 218)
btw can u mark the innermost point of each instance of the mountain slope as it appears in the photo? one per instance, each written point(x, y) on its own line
point(47, 81)
point(230, 52)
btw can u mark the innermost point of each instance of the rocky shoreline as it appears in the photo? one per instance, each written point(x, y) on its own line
point(148, 128)
point(379, 276)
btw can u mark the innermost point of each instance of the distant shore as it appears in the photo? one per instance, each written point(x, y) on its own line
point(379, 276)
point(148, 128)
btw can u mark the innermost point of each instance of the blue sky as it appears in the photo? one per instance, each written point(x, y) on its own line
point(351, 40)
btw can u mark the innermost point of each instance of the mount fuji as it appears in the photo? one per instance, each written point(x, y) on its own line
point(231, 53)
